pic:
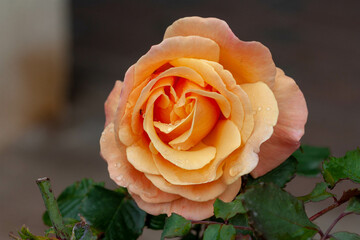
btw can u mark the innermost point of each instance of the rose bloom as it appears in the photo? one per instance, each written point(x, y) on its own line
point(194, 114)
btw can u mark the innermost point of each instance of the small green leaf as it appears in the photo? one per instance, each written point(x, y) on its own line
point(219, 232)
point(110, 212)
point(347, 167)
point(319, 193)
point(279, 176)
point(276, 214)
point(70, 201)
point(228, 210)
point(354, 205)
point(82, 231)
point(241, 220)
point(176, 226)
point(155, 222)
point(227, 232)
point(212, 232)
point(344, 236)
point(309, 159)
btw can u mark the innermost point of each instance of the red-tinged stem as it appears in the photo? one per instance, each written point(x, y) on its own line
point(326, 235)
point(211, 222)
point(315, 216)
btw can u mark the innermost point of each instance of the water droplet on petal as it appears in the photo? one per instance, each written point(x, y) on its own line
point(119, 178)
point(268, 109)
point(117, 165)
point(259, 108)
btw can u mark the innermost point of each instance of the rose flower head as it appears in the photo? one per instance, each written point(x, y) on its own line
point(194, 114)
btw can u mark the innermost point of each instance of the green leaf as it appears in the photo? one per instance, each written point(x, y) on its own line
point(354, 205)
point(309, 159)
point(110, 212)
point(219, 232)
point(155, 222)
point(227, 232)
point(82, 231)
point(70, 201)
point(279, 176)
point(212, 232)
point(344, 236)
point(347, 167)
point(319, 193)
point(176, 226)
point(276, 214)
point(228, 210)
point(241, 220)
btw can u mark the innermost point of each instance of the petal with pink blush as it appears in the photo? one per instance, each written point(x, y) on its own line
point(124, 174)
point(247, 61)
point(289, 128)
point(112, 102)
point(173, 48)
point(189, 209)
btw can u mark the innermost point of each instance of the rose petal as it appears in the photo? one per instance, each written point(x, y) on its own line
point(140, 156)
point(244, 160)
point(189, 209)
point(112, 102)
point(124, 174)
point(289, 128)
point(205, 117)
point(243, 118)
point(225, 137)
point(173, 48)
point(198, 193)
point(248, 61)
point(196, 158)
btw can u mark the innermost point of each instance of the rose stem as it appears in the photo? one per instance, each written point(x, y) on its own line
point(332, 206)
point(334, 223)
point(211, 222)
point(52, 208)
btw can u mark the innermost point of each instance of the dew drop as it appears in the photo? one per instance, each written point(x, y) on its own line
point(119, 178)
point(259, 108)
point(117, 165)
point(268, 109)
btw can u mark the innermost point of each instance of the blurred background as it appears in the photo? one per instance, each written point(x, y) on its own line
point(59, 60)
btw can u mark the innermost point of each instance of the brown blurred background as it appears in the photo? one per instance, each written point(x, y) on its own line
point(59, 60)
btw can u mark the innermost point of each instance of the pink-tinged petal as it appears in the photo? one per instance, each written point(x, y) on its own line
point(173, 48)
point(289, 128)
point(248, 61)
point(124, 174)
point(112, 102)
point(188, 209)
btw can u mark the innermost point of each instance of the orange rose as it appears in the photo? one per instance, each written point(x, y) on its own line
point(190, 117)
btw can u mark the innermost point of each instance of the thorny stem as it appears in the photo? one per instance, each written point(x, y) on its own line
point(326, 235)
point(211, 222)
point(52, 208)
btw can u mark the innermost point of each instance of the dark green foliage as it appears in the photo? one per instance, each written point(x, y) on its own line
point(176, 226)
point(228, 210)
point(279, 176)
point(347, 167)
point(319, 193)
point(275, 214)
point(309, 159)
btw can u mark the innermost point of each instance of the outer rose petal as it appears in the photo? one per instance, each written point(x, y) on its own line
point(247, 61)
point(173, 48)
point(289, 128)
point(189, 209)
point(112, 102)
point(124, 174)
